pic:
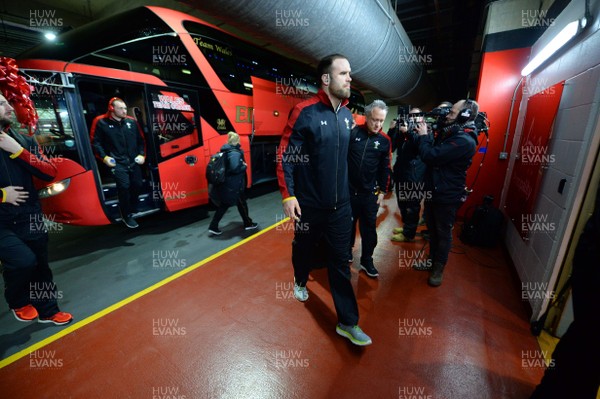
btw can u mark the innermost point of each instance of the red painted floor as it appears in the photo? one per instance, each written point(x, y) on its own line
point(231, 329)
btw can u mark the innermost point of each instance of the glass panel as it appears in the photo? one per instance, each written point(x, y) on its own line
point(173, 121)
point(161, 56)
point(54, 132)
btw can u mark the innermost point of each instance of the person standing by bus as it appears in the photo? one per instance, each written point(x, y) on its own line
point(312, 172)
point(118, 141)
point(29, 288)
point(231, 192)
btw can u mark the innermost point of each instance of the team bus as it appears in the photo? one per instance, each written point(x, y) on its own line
point(186, 82)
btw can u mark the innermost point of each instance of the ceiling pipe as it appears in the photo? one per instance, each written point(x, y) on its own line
point(367, 32)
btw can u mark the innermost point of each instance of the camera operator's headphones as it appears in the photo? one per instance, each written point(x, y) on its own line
point(111, 107)
point(465, 114)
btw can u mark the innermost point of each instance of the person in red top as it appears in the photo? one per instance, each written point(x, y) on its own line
point(312, 172)
point(29, 288)
point(118, 141)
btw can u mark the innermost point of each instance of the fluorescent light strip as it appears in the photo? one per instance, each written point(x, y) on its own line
point(556, 43)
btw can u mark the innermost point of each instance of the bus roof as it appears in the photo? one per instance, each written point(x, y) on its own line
point(123, 27)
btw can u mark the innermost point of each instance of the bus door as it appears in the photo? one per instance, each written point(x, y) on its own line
point(174, 122)
point(95, 95)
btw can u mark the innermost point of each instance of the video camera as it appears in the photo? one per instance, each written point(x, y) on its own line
point(408, 119)
point(437, 117)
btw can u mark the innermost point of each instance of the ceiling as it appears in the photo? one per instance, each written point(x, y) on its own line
point(450, 31)
point(446, 32)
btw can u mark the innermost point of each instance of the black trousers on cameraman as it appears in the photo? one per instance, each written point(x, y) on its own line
point(24, 256)
point(440, 220)
point(409, 203)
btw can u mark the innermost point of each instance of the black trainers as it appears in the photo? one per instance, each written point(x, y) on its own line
point(251, 226)
point(130, 222)
point(216, 232)
point(370, 270)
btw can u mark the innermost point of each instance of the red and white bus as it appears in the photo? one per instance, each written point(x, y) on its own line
point(185, 81)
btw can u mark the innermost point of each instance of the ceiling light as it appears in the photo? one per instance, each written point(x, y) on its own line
point(555, 44)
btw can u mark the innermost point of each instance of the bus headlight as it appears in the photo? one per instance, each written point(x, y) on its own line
point(54, 188)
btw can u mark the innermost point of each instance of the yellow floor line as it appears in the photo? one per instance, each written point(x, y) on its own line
point(67, 330)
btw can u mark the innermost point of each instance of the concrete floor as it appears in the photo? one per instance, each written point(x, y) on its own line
point(228, 327)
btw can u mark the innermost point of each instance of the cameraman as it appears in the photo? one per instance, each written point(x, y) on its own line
point(447, 160)
point(408, 171)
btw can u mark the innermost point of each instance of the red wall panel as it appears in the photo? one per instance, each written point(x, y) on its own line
point(500, 74)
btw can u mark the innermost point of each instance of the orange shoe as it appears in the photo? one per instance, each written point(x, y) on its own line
point(59, 318)
point(27, 313)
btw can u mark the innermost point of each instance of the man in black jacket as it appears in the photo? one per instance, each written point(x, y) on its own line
point(231, 192)
point(29, 288)
point(447, 160)
point(409, 171)
point(369, 178)
point(313, 179)
point(118, 141)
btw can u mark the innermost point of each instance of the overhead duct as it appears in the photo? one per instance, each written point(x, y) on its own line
point(367, 32)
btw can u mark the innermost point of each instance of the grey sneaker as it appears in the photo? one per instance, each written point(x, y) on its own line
point(354, 334)
point(300, 293)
